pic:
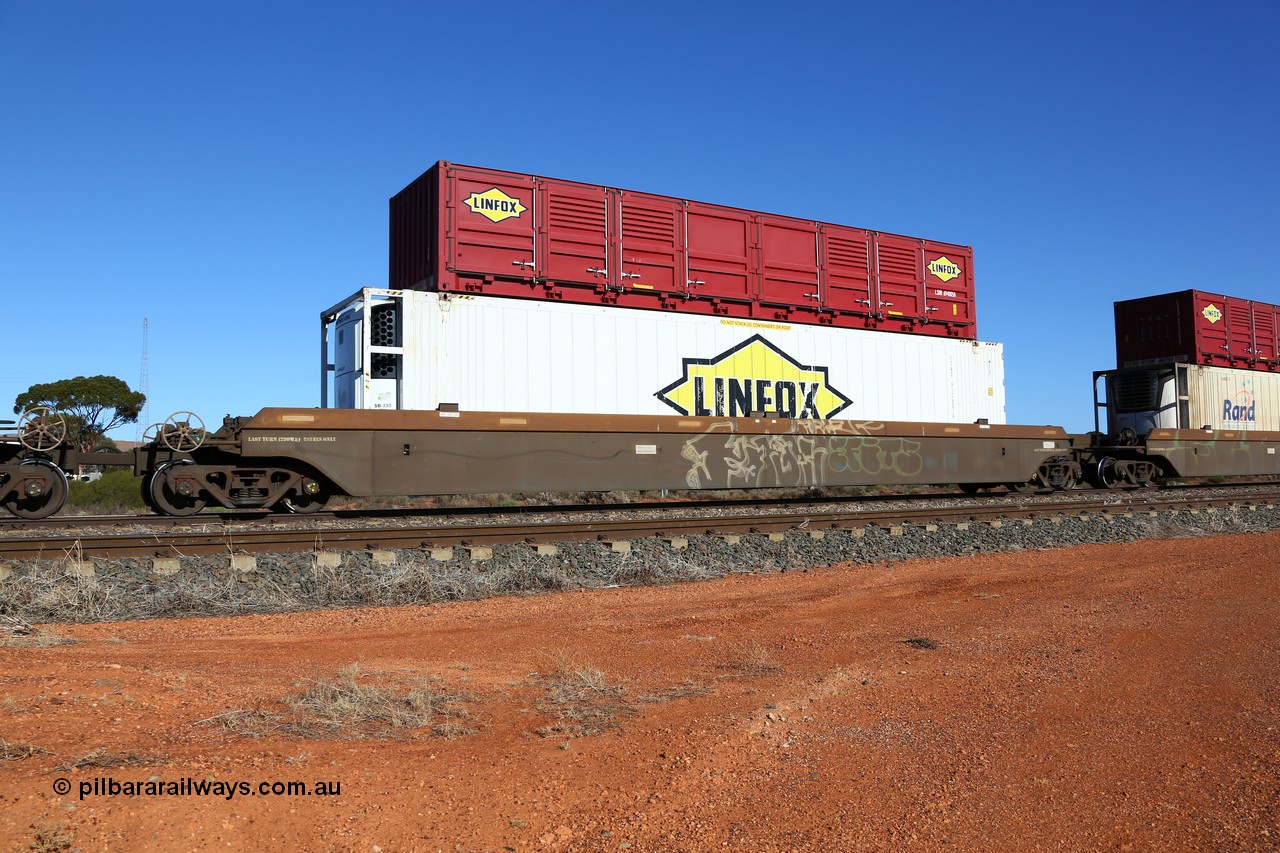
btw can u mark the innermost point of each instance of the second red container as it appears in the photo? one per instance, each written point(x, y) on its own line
point(1200, 328)
point(474, 230)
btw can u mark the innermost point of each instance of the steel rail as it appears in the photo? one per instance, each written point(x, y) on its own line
point(299, 539)
point(263, 516)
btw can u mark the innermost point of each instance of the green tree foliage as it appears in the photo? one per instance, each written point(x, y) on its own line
point(117, 490)
point(92, 405)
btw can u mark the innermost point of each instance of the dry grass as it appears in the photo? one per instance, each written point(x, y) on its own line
point(52, 838)
point(751, 659)
point(581, 699)
point(43, 591)
point(102, 758)
point(16, 633)
point(10, 751)
point(684, 690)
point(354, 706)
point(41, 640)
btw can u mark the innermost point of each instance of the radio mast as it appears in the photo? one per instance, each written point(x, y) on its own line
point(142, 385)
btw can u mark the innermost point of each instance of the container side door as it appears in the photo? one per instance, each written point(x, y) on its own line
point(900, 277)
point(491, 223)
point(846, 257)
point(574, 233)
point(788, 262)
point(1240, 329)
point(719, 241)
point(949, 285)
point(1266, 319)
point(651, 242)
point(1210, 318)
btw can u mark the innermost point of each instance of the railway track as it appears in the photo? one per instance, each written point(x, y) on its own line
point(677, 520)
point(10, 526)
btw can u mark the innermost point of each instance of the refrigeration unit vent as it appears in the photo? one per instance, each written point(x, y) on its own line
point(1137, 392)
point(384, 365)
point(384, 326)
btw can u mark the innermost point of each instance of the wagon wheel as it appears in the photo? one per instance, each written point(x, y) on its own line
point(182, 436)
point(1029, 487)
point(1108, 475)
point(165, 499)
point(48, 501)
point(41, 429)
point(309, 497)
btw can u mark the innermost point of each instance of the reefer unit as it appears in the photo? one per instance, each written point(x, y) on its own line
point(1190, 396)
point(405, 349)
point(463, 229)
point(1199, 328)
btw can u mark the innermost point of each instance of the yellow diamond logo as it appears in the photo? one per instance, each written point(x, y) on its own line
point(495, 205)
point(754, 376)
point(944, 268)
point(1212, 313)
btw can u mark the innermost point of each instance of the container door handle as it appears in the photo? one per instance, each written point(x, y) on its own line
point(694, 281)
point(631, 275)
point(596, 271)
point(522, 263)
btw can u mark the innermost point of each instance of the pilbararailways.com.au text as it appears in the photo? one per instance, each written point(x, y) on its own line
point(107, 786)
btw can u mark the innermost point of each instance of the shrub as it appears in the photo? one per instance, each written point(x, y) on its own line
point(117, 490)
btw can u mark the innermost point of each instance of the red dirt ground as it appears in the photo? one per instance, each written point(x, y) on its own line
point(1100, 697)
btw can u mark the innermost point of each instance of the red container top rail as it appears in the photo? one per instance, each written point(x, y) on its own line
point(1198, 327)
point(474, 230)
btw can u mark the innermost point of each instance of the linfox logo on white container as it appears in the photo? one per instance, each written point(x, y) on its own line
point(754, 376)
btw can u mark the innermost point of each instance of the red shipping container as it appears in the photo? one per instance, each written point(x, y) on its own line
point(473, 230)
point(1197, 327)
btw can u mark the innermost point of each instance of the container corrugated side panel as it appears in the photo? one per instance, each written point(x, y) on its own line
point(1155, 329)
point(414, 234)
point(1228, 398)
point(494, 354)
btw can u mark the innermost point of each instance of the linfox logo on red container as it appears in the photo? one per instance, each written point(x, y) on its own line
point(944, 268)
point(494, 205)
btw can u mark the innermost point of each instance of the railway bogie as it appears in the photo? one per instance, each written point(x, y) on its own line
point(184, 487)
point(32, 484)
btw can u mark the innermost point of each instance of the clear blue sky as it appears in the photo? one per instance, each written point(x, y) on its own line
point(224, 168)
